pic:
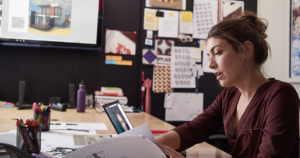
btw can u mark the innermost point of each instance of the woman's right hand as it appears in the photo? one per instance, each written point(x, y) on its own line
point(169, 151)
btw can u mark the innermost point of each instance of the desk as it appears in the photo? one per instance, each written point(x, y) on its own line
point(8, 118)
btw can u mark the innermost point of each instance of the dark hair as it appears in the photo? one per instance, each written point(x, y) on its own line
point(247, 27)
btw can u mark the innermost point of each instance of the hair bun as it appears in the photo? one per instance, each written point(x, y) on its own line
point(257, 23)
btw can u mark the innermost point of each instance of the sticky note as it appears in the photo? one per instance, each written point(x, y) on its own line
point(186, 16)
point(113, 57)
point(108, 57)
point(124, 62)
point(118, 58)
point(114, 62)
point(107, 61)
point(129, 63)
point(171, 14)
point(119, 62)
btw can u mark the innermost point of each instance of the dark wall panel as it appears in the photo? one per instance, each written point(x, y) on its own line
point(48, 72)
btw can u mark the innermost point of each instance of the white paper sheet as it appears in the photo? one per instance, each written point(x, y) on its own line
point(149, 34)
point(140, 130)
point(150, 19)
point(120, 147)
point(181, 68)
point(186, 22)
point(168, 25)
point(185, 107)
point(196, 54)
point(9, 138)
point(84, 126)
point(205, 60)
point(205, 16)
point(168, 100)
point(197, 69)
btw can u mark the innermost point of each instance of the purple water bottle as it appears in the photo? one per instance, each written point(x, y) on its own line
point(81, 93)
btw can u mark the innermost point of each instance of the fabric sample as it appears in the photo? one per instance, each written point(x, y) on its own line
point(162, 79)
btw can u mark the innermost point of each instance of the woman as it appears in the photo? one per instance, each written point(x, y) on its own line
point(260, 116)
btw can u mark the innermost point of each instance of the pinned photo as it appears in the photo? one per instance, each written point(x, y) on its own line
point(50, 17)
point(231, 9)
point(120, 42)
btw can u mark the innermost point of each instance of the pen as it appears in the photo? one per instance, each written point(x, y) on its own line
point(75, 124)
point(159, 131)
point(78, 130)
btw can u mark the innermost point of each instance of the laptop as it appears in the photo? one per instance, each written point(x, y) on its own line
point(117, 116)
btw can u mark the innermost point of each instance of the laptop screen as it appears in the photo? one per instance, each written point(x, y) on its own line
point(118, 117)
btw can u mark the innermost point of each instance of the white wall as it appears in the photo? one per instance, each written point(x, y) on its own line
point(277, 14)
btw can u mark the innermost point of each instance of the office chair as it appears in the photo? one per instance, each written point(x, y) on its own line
point(219, 140)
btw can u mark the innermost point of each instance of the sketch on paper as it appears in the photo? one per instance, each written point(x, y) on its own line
point(183, 106)
point(181, 68)
point(120, 42)
point(89, 139)
point(294, 64)
point(50, 17)
point(205, 16)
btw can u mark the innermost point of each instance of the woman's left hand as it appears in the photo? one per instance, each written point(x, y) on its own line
point(169, 151)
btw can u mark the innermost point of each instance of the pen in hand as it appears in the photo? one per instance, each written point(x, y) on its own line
point(78, 130)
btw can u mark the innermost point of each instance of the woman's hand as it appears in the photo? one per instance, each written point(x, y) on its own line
point(169, 151)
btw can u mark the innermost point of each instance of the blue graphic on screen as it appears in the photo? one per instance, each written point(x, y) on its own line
point(118, 119)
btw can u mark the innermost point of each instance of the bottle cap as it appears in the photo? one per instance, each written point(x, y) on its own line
point(82, 83)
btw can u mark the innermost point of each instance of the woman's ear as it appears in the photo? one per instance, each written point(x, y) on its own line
point(249, 49)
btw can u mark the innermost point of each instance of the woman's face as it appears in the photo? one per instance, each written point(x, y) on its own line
point(225, 61)
point(122, 122)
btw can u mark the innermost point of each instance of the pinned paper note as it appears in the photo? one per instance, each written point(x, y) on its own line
point(186, 16)
point(205, 16)
point(149, 57)
point(168, 25)
point(185, 106)
point(195, 54)
point(163, 50)
point(186, 22)
point(205, 60)
point(168, 100)
point(150, 20)
point(149, 34)
point(148, 42)
point(181, 68)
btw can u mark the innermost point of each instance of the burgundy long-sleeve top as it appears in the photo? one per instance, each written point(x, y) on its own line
point(269, 126)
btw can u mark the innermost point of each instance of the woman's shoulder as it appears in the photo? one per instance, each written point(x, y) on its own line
point(277, 85)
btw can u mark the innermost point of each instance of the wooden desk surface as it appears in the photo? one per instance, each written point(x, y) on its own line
point(8, 118)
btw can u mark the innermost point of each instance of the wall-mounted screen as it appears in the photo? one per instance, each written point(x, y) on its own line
point(50, 23)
